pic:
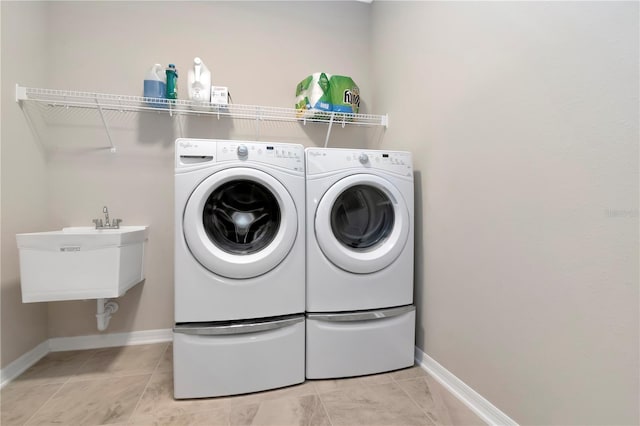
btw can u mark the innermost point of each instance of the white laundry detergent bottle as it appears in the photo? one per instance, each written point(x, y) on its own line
point(199, 81)
point(155, 86)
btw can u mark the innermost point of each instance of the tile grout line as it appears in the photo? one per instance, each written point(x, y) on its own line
point(45, 403)
point(322, 404)
point(62, 384)
point(146, 385)
point(93, 353)
point(424, 410)
point(155, 369)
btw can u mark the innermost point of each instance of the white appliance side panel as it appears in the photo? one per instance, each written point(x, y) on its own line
point(202, 296)
point(208, 366)
point(392, 286)
point(356, 348)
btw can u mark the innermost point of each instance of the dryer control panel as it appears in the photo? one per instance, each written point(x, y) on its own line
point(322, 160)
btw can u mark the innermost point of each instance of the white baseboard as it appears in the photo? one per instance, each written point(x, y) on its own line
point(472, 399)
point(94, 341)
point(18, 366)
point(57, 344)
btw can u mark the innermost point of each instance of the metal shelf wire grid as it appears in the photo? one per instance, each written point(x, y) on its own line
point(66, 98)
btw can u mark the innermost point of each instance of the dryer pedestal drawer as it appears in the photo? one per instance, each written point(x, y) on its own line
point(359, 343)
point(229, 360)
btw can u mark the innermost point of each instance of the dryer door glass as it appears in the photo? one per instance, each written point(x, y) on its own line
point(362, 217)
point(362, 223)
point(241, 217)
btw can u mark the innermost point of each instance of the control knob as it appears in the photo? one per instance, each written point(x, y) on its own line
point(243, 152)
point(364, 158)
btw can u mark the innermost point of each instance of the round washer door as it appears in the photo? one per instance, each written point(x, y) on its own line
point(240, 223)
point(362, 223)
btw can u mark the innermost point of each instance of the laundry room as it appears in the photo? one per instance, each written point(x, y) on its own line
point(518, 124)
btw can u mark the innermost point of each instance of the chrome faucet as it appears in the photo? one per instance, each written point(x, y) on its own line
point(105, 210)
point(115, 224)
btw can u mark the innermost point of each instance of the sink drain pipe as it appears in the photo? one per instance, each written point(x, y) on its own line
point(106, 308)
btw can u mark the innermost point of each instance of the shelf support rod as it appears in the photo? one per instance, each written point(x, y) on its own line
point(326, 141)
point(34, 130)
point(180, 125)
point(258, 116)
point(104, 122)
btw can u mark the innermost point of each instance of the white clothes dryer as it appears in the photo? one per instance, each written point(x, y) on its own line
point(359, 262)
point(239, 266)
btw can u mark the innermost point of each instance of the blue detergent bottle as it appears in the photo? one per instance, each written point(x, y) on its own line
point(155, 86)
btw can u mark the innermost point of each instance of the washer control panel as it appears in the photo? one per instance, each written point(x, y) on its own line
point(322, 160)
point(190, 152)
point(290, 156)
point(243, 152)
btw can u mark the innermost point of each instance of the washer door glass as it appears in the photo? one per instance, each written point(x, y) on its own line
point(241, 217)
point(362, 223)
point(240, 223)
point(362, 216)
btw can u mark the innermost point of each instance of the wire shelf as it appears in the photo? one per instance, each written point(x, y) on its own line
point(126, 103)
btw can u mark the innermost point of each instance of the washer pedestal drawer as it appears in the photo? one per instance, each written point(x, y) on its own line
point(212, 360)
point(359, 343)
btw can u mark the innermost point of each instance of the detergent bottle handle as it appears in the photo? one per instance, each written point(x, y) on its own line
point(158, 70)
point(197, 66)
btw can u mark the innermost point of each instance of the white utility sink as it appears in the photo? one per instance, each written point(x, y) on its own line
point(81, 262)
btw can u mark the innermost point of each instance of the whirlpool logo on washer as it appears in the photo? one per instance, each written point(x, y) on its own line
point(187, 145)
point(317, 154)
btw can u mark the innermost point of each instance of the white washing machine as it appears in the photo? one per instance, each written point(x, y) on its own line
point(239, 267)
point(360, 317)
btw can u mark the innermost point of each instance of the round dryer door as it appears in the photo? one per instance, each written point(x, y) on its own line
point(240, 223)
point(362, 223)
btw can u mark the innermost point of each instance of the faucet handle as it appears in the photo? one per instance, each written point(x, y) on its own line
point(115, 223)
point(98, 223)
point(105, 210)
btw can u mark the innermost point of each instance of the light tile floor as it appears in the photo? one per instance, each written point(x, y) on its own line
point(133, 385)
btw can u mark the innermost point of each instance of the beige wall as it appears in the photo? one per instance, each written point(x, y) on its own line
point(24, 197)
point(260, 50)
point(523, 119)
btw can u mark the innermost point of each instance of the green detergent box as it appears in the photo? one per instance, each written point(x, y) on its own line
point(326, 92)
point(314, 93)
point(345, 94)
